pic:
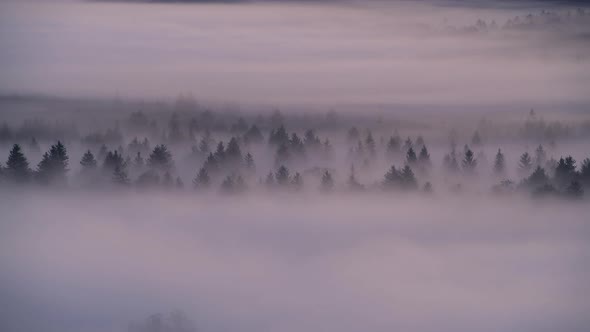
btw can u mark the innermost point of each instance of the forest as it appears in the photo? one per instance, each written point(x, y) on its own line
point(199, 150)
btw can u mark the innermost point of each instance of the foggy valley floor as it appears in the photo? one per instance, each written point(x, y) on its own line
point(98, 261)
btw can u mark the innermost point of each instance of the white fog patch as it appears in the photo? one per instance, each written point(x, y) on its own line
point(95, 262)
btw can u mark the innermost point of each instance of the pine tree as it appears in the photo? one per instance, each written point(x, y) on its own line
point(450, 162)
point(408, 144)
point(476, 139)
point(220, 153)
point(233, 153)
point(120, 176)
point(249, 162)
point(565, 172)
point(411, 158)
point(160, 159)
point(282, 176)
point(585, 172)
point(211, 164)
point(253, 135)
point(537, 179)
point(88, 161)
point(310, 140)
point(393, 147)
point(283, 155)
point(297, 181)
point(327, 182)
point(54, 165)
point(574, 190)
point(392, 178)
point(112, 160)
point(525, 164)
point(270, 180)
point(202, 180)
point(296, 145)
point(17, 165)
point(407, 178)
point(499, 163)
point(424, 159)
point(469, 162)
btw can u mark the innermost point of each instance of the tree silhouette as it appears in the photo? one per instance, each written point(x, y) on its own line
point(565, 172)
point(499, 164)
point(393, 147)
point(282, 176)
point(253, 135)
point(407, 178)
point(327, 182)
point(574, 190)
point(279, 136)
point(54, 165)
point(17, 165)
point(450, 162)
point(138, 161)
point(525, 164)
point(160, 159)
point(424, 159)
point(537, 179)
point(392, 178)
point(370, 144)
point(202, 180)
point(249, 163)
point(411, 158)
point(297, 181)
point(585, 173)
point(88, 161)
point(469, 162)
point(476, 139)
point(120, 176)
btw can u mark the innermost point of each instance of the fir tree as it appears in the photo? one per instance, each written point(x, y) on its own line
point(574, 190)
point(585, 172)
point(565, 171)
point(392, 178)
point(469, 162)
point(411, 158)
point(17, 165)
point(297, 181)
point(220, 153)
point(88, 161)
point(476, 139)
point(270, 180)
point(160, 159)
point(499, 163)
point(249, 162)
point(202, 180)
point(525, 164)
point(282, 176)
point(537, 179)
point(120, 176)
point(253, 135)
point(233, 153)
point(54, 165)
point(424, 159)
point(407, 178)
point(408, 144)
point(138, 161)
point(211, 164)
point(393, 147)
point(370, 144)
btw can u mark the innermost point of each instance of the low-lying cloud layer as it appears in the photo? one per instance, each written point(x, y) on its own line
point(278, 52)
point(95, 262)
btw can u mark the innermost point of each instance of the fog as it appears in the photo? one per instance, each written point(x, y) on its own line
point(289, 52)
point(290, 264)
point(288, 166)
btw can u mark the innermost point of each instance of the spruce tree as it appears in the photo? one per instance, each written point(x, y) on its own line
point(469, 162)
point(120, 176)
point(574, 190)
point(249, 163)
point(88, 161)
point(282, 176)
point(407, 178)
point(202, 180)
point(392, 178)
point(17, 165)
point(233, 153)
point(411, 158)
point(499, 163)
point(370, 144)
point(525, 164)
point(565, 172)
point(353, 183)
point(393, 147)
point(540, 156)
point(160, 159)
point(297, 181)
point(424, 159)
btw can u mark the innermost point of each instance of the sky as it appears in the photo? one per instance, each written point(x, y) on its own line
point(289, 52)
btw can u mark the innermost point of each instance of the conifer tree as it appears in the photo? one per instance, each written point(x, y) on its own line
point(370, 144)
point(327, 182)
point(565, 172)
point(138, 161)
point(249, 163)
point(160, 159)
point(202, 180)
point(54, 165)
point(17, 165)
point(537, 179)
point(407, 178)
point(270, 180)
point(393, 147)
point(253, 135)
point(88, 161)
point(574, 190)
point(424, 159)
point(408, 144)
point(499, 163)
point(469, 162)
point(297, 181)
point(525, 164)
point(282, 176)
point(120, 176)
point(233, 153)
point(392, 178)
point(411, 158)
